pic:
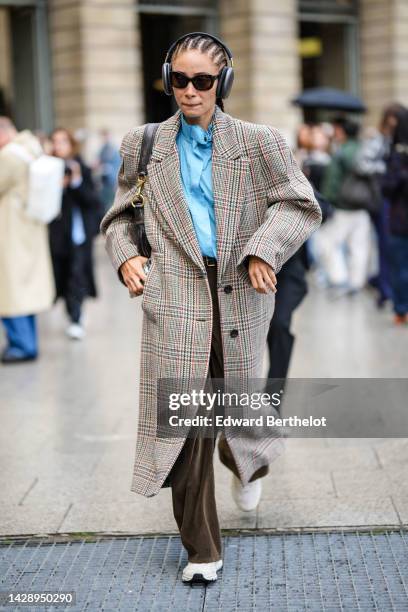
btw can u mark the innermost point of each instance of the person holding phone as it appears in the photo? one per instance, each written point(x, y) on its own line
point(73, 231)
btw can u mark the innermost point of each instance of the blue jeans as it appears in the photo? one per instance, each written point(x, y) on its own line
point(22, 335)
point(381, 223)
point(398, 260)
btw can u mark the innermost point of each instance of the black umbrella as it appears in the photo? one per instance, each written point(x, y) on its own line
point(330, 99)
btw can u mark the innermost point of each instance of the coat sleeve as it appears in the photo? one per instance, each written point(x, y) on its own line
point(117, 224)
point(294, 212)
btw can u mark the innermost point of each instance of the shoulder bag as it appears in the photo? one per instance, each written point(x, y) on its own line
point(360, 191)
point(142, 242)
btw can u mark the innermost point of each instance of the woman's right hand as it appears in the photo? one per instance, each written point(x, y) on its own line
point(133, 274)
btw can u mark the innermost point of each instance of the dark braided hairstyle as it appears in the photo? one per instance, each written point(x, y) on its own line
point(206, 45)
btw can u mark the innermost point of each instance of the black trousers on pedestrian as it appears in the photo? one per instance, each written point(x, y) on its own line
point(192, 476)
point(71, 280)
point(292, 288)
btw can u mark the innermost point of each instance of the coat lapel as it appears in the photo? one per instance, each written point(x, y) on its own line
point(165, 183)
point(229, 171)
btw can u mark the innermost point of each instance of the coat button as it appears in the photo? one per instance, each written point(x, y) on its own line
point(227, 288)
point(234, 333)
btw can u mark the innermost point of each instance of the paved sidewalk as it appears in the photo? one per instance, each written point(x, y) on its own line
point(314, 572)
point(69, 425)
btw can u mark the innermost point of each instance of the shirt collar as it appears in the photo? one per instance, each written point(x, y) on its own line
point(196, 134)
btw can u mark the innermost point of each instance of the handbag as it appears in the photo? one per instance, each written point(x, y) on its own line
point(141, 240)
point(45, 174)
point(361, 192)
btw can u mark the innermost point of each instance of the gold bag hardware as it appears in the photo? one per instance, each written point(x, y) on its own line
point(139, 198)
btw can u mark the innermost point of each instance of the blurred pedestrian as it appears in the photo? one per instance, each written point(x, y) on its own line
point(312, 146)
point(293, 289)
point(395, 186)
point(303, 143)
point(344, 242)
point(375, 147)
point(314, 162)
point(26, 279)
point(72, 233)
point(317, 158)
point(107, 167)
point(45, 141)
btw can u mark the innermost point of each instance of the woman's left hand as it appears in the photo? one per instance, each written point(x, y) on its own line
point(262, 276)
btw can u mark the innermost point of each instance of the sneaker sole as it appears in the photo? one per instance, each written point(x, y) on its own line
point(198, 580)
point(14, 360)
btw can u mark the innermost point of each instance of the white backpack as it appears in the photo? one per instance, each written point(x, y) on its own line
point(46, 174)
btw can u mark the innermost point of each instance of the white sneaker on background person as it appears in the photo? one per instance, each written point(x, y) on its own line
point(75, 331)
point(201, 572)
point(246, 497)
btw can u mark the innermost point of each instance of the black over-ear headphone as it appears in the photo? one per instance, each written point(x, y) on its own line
point(225, 79)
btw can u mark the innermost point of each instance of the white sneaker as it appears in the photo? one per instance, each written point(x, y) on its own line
point(201, 572)
point(75, 331)
point(247, 498)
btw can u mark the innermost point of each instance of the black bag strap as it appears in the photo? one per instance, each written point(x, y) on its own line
point(145, 154)
point(147, 146)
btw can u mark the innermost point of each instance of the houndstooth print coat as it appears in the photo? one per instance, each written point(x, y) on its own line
point(253, 168)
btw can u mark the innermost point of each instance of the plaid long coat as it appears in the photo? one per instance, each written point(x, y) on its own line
point(253, 168)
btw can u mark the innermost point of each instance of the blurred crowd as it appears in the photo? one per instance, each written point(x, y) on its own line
point(360, 181)
point(363, 179)
point(49, 217)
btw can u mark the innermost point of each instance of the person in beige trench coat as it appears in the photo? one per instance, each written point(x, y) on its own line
point(252, 169)
point(26, 277)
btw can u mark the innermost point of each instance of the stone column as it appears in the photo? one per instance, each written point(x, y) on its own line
point(384, 54)
point(264, 40)
point(97, 73)
point(5, 55)
point(400, 55)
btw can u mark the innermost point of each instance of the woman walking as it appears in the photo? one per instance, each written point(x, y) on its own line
point(72, 233)
point(208, 297)
point(395, 186)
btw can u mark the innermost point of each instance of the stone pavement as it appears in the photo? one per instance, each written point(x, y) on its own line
point(69, 425)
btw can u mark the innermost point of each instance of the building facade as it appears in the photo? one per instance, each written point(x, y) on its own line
point(92, 64)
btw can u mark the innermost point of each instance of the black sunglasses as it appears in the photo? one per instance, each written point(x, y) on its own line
point(201, 82)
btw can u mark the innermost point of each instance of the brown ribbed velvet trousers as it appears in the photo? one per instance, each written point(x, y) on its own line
point(192, 476)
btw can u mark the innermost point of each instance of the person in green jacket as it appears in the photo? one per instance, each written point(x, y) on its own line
point(346, 138)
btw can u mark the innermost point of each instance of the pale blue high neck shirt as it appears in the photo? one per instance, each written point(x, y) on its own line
point(195, 152)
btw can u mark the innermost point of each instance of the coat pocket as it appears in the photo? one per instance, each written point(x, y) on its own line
point(151, 290)
point(243, 275)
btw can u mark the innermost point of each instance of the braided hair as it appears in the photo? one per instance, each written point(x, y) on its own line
point(206, 45)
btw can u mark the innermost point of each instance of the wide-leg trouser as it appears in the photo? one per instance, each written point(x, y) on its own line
point(22, 335)
point(192, 476)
